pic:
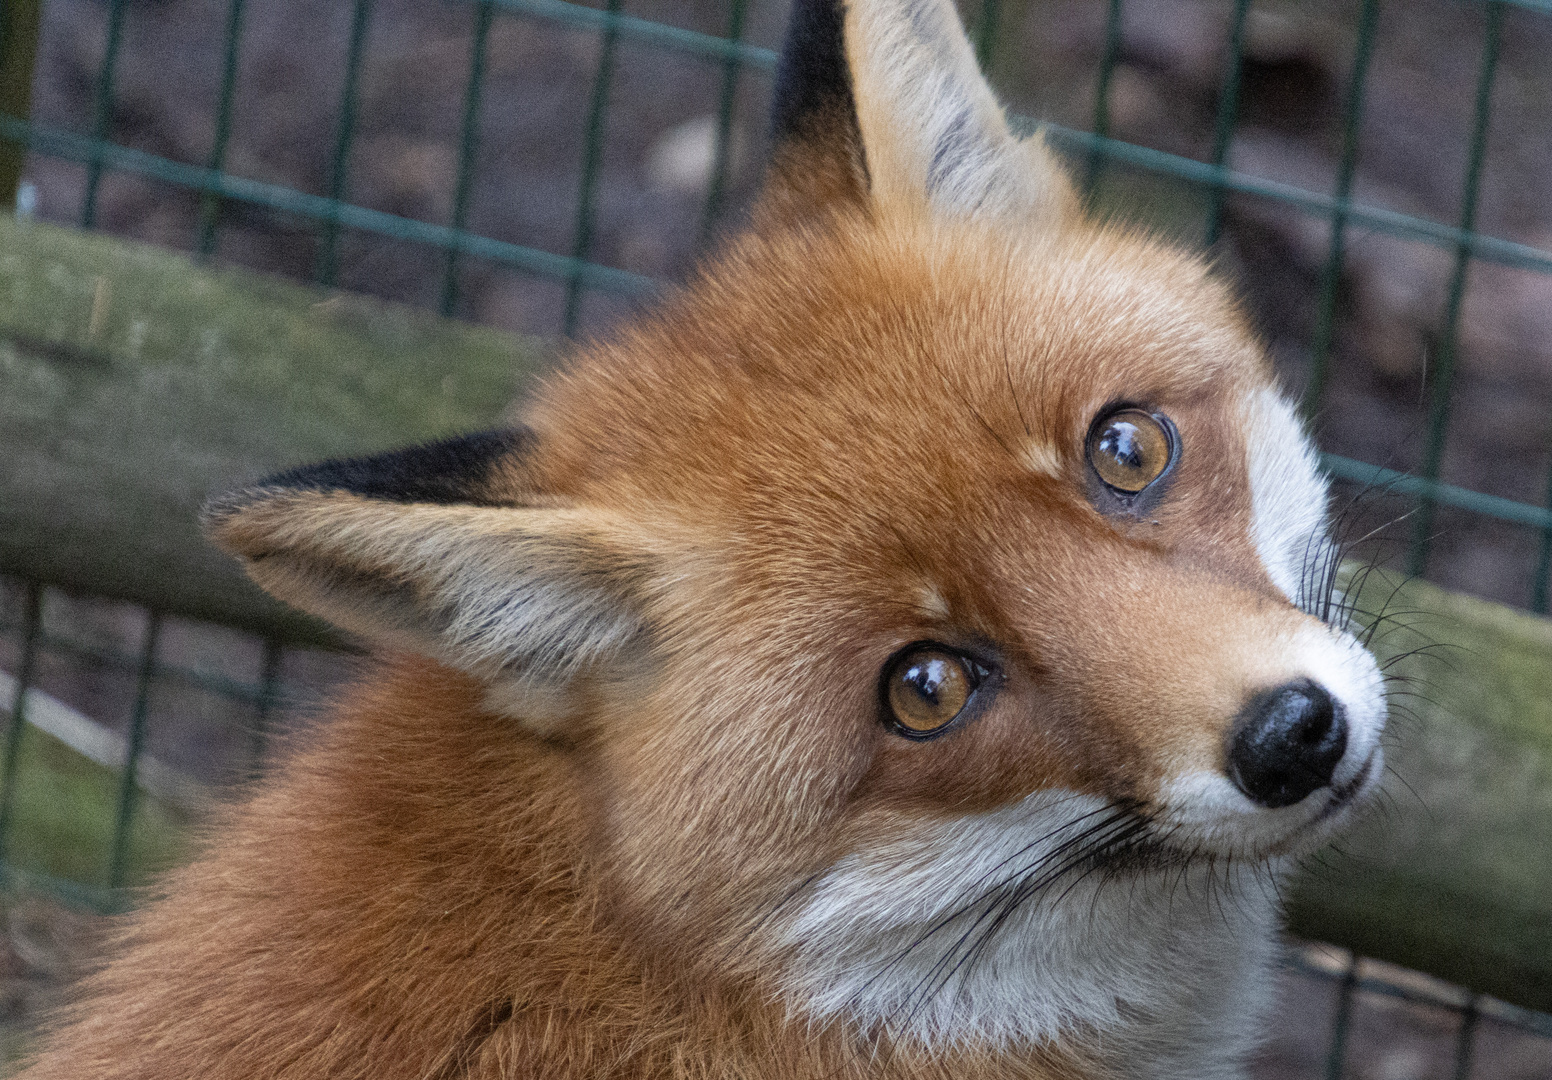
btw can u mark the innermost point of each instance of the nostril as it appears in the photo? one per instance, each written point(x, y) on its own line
point(1287, 743)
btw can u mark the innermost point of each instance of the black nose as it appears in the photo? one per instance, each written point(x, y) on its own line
point(1287, 744)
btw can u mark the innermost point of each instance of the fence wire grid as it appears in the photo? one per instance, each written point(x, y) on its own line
point(330, 217)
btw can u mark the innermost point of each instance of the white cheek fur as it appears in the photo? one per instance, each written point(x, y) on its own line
point(919, 936)
point(1288, 496)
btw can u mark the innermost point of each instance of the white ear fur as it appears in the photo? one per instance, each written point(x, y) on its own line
point(515, 596)
point(931, 128)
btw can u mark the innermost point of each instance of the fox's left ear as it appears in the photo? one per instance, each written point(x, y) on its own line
point(447, 550)
point(880, 102)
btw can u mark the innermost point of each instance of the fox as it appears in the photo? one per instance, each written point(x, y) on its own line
point(906, 651)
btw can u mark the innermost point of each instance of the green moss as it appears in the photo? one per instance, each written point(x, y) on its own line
point(63, 819)
point(134, 384)
point(1453, 872)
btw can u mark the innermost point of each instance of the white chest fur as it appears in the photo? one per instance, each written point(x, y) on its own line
point(996, 928)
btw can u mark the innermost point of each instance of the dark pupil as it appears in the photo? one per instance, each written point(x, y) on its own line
point(926, 678)
point(1119, 441)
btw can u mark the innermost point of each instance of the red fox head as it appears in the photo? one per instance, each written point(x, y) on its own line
point(924, 594)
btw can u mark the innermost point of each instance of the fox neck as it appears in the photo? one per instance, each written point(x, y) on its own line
point(551, 973)
point(423, 865)
point(1159, 968)
point(515, 956)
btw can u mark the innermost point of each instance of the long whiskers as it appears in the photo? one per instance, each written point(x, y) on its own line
point(1001, 903)
point(1101, 843)
point(978, 892)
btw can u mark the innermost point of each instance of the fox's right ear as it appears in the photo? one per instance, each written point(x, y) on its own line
point(880, 104)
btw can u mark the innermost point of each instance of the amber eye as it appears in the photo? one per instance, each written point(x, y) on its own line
point(926, 687)
point(1130, 449)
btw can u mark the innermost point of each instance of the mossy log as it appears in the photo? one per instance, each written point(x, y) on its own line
point(1452, 871)
point(133, 384)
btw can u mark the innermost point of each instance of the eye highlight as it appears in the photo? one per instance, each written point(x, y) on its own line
point(926, 687)
point(1129, 449)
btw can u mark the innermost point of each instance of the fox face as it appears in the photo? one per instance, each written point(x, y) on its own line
point(928, 599)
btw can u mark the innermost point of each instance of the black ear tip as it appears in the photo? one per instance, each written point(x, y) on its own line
point(813, 82)
point(220, 509)
point(450, 471)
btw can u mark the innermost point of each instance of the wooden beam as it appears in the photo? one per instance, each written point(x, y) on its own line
point(134, 384)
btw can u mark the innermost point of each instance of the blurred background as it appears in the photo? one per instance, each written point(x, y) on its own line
point(1375, 179)
point(632, 152)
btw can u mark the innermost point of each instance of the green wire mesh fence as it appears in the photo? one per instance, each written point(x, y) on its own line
point(332, 213)
point(740, 71)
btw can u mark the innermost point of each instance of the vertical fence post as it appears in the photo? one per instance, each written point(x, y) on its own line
point(987, 26)
point(118, 860)
point(1107, 63)
point(1331, 276)
point(1336, 1060)
point(326, 269)
point(1444, 367)
point(32, 630)
point(210, 204)
point(1228, 113)
point(102, 110)
point(723, 148)
point(1465, 1038)
point(19, 21)
point(269, 693)
point(468, 147)
point(592, 152)
point(1541, 584)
